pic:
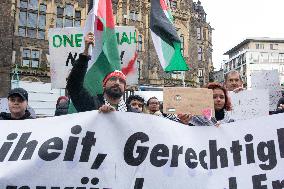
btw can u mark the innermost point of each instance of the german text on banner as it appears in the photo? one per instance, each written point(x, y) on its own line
point(136, 151)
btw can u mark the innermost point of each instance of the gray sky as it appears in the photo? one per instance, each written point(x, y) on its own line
point(235, 20)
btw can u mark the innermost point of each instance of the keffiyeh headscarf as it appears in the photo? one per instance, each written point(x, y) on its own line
point(121, 105)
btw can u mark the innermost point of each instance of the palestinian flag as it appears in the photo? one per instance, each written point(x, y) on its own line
point(105, 56)
point(166, 41)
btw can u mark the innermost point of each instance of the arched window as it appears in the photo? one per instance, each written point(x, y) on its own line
point(200, 53)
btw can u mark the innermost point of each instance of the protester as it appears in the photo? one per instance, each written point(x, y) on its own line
point(233, 81)
point(17, 103)
point(113, 87)
point(62, 105)
point(136, 102)
point(222, 102)
point(280, 107)
point(222, 106)
point(153, 105)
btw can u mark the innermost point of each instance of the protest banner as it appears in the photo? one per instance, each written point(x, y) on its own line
point(127, 42)
point(249, 104)
point(65, 44)
point(4, 105)
point(127, 150)
point(188, 100)
point(268, 79)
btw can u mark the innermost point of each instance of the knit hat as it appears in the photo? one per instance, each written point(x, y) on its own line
point(60, 98)
point(115, 73)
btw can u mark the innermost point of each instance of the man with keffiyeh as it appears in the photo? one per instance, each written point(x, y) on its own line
point(114, 85)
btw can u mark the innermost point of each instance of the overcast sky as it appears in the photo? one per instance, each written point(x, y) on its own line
point(235, 20)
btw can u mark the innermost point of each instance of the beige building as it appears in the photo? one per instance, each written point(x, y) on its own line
point(24, 46)
point(254, 54)
point(26, 22)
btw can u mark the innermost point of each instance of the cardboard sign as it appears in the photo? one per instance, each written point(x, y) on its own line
point(188, 100)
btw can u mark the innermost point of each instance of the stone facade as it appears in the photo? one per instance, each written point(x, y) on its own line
point(188, 18)
point(6, 41)
point(24, 42)
point(24, 28)
point(41, 72)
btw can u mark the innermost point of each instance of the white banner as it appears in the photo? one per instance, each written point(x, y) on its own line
point(65, 45)
point(250, 104)
point(268, 79)
point(4, 105)
point(139, 151)
point(127, 41)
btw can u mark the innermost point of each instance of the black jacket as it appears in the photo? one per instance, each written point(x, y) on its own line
point(81, 98)
point(7, 116)
point(278, 110)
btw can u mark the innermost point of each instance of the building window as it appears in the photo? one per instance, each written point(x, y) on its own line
point(259, 46)
point(200, 72)
point(204, 34)
point(173, 4)
point(68, 17)
point(264, 57)
point(182, 44)
point(198, 33)
point(32, 19)
point(139, 69)
point(273, 46)
point(254, 56)
point(281, 57)
point(30, 58)
point(134, 15)
point(273, 57)
point(77, 19)
point(140, 43)
point(200, 53)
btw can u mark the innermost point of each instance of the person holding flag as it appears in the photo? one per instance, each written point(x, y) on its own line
point(95, 82)
point(86, 78)
point(113, 84)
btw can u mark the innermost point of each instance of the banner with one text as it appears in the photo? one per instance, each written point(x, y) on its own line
point(65, 44)
point(127, 150)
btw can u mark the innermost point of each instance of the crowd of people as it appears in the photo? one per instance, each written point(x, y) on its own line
point(114, 85)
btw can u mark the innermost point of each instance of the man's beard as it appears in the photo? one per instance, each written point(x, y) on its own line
point(114, 92)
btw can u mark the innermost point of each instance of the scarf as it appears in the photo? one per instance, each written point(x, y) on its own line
point(121, 107)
